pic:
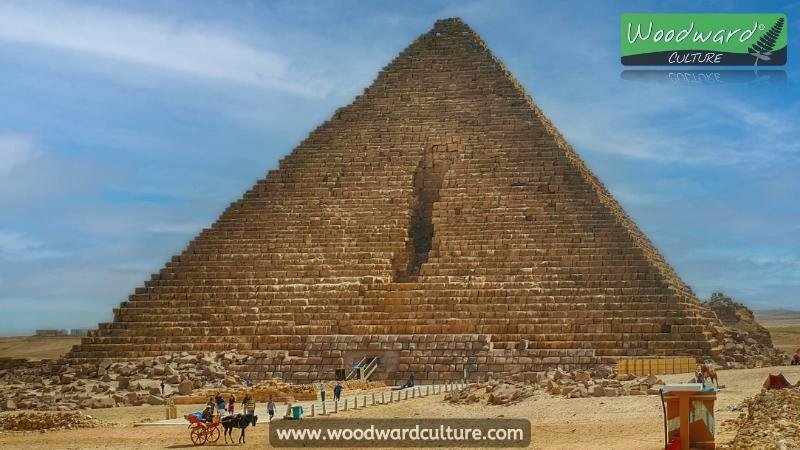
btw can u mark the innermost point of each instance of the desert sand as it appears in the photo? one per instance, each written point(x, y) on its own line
point(36, 347)
point(783, 326)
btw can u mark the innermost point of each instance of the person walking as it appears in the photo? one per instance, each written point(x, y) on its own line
point(322, 388)
point(231, 402)
point(249, 405)
point(162, 387)
point(337, 392)
point(220, 403)
point(271, 408)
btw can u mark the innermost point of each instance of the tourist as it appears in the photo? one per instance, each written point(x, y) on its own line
point(231, 402)
point(162, 387)
point(220, 403)
point(410, 383)
point(322, 388)
point(337, 392)
point(357, 369)
point(796, 359)
point(271, 408)
point(249, 405)
point(208, 412)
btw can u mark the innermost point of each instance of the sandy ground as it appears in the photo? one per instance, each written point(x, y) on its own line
point(36, 347)
point(633, 422)
point(783, 326)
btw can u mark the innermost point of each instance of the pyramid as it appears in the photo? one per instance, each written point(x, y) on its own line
point(439, 223)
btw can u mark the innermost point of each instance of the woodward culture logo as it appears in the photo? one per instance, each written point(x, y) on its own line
point(703, 39)
point(394, 433)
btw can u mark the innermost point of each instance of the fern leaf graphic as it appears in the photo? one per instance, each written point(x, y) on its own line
point(766, 43)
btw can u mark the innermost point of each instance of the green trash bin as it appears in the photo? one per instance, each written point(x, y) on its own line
point(297, 412)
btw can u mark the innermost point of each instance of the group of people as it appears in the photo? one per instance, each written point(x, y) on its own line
point(337, 391)
point(224, 408)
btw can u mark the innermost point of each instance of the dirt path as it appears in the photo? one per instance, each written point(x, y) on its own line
point(633, 422)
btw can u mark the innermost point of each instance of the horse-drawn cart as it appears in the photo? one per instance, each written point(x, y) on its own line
point(201, 431)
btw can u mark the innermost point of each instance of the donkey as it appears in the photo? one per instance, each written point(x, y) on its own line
point(240, 421)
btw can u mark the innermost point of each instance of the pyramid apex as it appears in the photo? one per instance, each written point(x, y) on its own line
point(449, 20)
point(450, 24)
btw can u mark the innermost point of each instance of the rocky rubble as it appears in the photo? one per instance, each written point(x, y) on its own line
point(743, 352)
point(42, 421)
point(603, 381)
point(769, 420)
point(735, 315)
point(746, 344)
point(58, 385)
point(492, 392)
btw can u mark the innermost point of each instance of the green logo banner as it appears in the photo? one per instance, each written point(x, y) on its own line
point(703, 39)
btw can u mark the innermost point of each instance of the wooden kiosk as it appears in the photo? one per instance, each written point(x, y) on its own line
point(688, 416)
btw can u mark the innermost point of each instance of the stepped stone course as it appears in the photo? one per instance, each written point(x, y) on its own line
point(439, 222)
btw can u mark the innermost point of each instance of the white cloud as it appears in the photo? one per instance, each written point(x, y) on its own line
point(17, 246)
point(776, 261)
point(15, 151)
point(31, 173)
point(636, 132)
point(196, 50)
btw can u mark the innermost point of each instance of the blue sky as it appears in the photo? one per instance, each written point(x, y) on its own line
point(126, 127)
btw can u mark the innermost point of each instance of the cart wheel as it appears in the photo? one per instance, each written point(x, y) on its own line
point(199, 435)
point(213, 434)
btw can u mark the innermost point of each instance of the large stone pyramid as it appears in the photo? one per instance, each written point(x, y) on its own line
point(440, 223)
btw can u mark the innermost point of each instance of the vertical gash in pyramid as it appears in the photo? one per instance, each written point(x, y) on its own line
point(439, 223)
